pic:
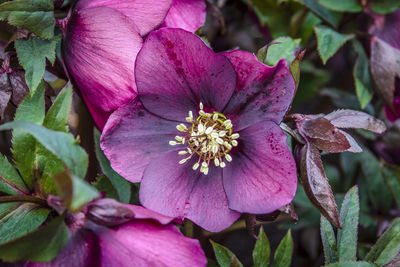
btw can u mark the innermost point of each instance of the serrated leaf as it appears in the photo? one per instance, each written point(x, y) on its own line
point(328, 241)
point(10, 181)
point(36, 16)
point(378, 192)
point(347, 236)
point(74, 192)
point(316, 185)
point(362, 78)
point(280, 48)
point(387, 246)
point(57, 117)
point(333, 18)
point(329, 41)
point(25, 218)
point(31, 109)
point(120, 184)
point(103, 184)
point(39, 246)
point(351, 264)
point(284, 252)
point(262, 250)
point(391, 174)
point(32, 54)
point(224, 256)
point(342, 5)
point(61, 144)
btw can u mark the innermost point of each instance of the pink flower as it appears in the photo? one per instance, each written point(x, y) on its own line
point(114, 234)
point(228, 108)
point(102, 39)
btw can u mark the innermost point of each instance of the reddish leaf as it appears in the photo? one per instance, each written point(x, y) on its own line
point(5, 93)
point(321, 133)
point(385, 67)
point(316, 184)
point(109, 212)
point(289, 209)
point(346, 118)
point(251, 223)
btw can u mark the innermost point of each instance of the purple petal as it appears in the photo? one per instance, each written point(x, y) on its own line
point(186, 14)
point(178, 191)
point(387, 28)
point(262, 92)
point(132, 137)
point(145, 14)
point(146, 214)
point(100, 48)
point(395, 114)
point(176, 70)
point(145, 243)
point(262, 176)
point(99, 116)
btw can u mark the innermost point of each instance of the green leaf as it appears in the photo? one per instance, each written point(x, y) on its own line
point(333, 18)
point(74, 192)
point(347, 236)
point(6, 208)
point(391, 174)
point(61, 144)
point(57, 117)
point(25, 218)
point(31, 109)
point(32, 54)
point(10, 181)
point(329, 41)
point(103, 184)
point(387, 246)
point(378, 192)
point(280, 48)
point(384, 6)
point(328, 241)
point(284, 252)
point(351, 264)
point(36, 16)
point(273, 15)
point(120, 184)
point(307, 27)
point(224, 256)
point(362, 78)
point(262, 250)
point(342, 5)
point(295, 68)
point(42, 245)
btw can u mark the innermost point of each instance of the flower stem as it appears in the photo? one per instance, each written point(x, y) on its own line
point(188, 228)
point(19, 198)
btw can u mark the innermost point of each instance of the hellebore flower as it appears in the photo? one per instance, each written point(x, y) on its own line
point(115, 234)
point(385, 54)
point(101, 42)
point(196, 112)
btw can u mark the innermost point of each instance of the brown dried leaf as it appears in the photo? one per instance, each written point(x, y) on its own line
point(385, 67)
point(316, 184)
point(324, 135)
point(346, 118)
point(251, 223)
point(5, 93)
point(289, 209)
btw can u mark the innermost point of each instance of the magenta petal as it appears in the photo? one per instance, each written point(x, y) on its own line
point(178, 191)
point(186, 14)
point(132, 137)
point(145, 243)
point(176, 70)
point(262, 92)
point(145, 14)
point(146, 214)
point(99, 116)
point(262, 176)
point(100, 48)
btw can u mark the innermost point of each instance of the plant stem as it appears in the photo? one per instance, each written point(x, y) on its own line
point(7, 199)
point(188, 228)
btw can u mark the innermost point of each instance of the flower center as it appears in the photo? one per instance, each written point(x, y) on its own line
point(210, 137)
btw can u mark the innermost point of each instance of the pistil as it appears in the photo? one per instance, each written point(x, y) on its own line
point(210, 137)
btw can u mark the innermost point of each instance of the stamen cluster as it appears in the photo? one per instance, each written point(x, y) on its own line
point(210, 137)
